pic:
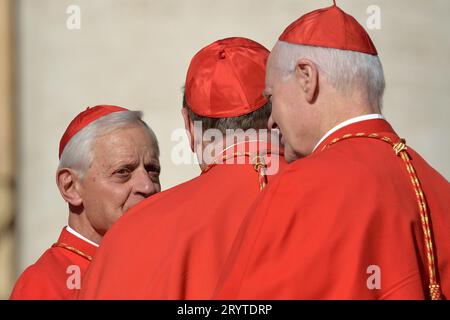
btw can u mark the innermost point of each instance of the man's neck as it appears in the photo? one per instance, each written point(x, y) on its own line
point(81, 225)
point(79, 235)
point(228, 144)
point(347, 122)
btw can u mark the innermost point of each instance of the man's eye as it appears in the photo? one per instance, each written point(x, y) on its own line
point(153, 169)
point(122, 172)
point(154, 173)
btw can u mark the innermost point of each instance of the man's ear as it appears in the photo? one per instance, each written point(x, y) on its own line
point(68, 184)
point(307, 75)
point(189, 125)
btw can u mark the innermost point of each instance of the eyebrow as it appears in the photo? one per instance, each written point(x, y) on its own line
point(125, 163)
point(152, 160)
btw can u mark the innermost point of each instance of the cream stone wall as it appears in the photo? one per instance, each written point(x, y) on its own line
point(136, 53)
point(7, 152)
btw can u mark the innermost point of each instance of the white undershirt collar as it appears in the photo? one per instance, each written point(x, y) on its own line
point(76, 234)
point(348, 122)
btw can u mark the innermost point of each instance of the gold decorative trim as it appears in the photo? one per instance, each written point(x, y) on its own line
point(258, 165)
point(400, 150)
point(73, 249)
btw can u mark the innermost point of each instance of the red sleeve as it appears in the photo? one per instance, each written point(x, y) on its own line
point(34, 285)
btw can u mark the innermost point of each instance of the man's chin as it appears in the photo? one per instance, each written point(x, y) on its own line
point(289, 159)
point(289, 154)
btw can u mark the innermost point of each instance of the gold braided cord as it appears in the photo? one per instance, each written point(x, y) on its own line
point(400, 150)
point(74, 250)
point(258, 165)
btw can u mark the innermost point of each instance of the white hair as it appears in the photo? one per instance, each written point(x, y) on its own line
point(347, 71)
point(77, 154)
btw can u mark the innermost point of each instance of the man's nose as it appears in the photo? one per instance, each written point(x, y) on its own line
point(144, 184)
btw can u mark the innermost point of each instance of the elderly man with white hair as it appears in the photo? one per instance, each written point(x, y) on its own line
point(109, 162)
point(357, 214)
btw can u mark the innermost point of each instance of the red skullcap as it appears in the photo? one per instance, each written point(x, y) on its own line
point(330, 28)
point(227, 78)
point(83, 119)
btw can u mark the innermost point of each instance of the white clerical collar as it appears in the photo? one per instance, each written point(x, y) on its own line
point(76, 234)
point(348, 122)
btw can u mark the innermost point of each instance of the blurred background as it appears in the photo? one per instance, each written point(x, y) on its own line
point(136, 53)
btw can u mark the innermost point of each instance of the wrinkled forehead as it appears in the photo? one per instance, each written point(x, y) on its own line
point(126, 142)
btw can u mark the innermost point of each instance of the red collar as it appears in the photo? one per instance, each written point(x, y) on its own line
point(72, 243)
point(249, 149)
point(379, 126)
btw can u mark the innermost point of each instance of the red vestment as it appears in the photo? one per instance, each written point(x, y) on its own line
point(173, 245)
point(342, 223)
point(53, 276)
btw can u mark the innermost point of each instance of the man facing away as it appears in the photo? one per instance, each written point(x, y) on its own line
point(357, 214)
point(173, 246)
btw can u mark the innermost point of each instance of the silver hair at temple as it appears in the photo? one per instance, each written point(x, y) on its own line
point(346, 71)
point(77, 154)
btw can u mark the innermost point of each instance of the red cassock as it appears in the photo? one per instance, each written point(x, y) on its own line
point(342, 223)
point(58, 272)
point(173, 245)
